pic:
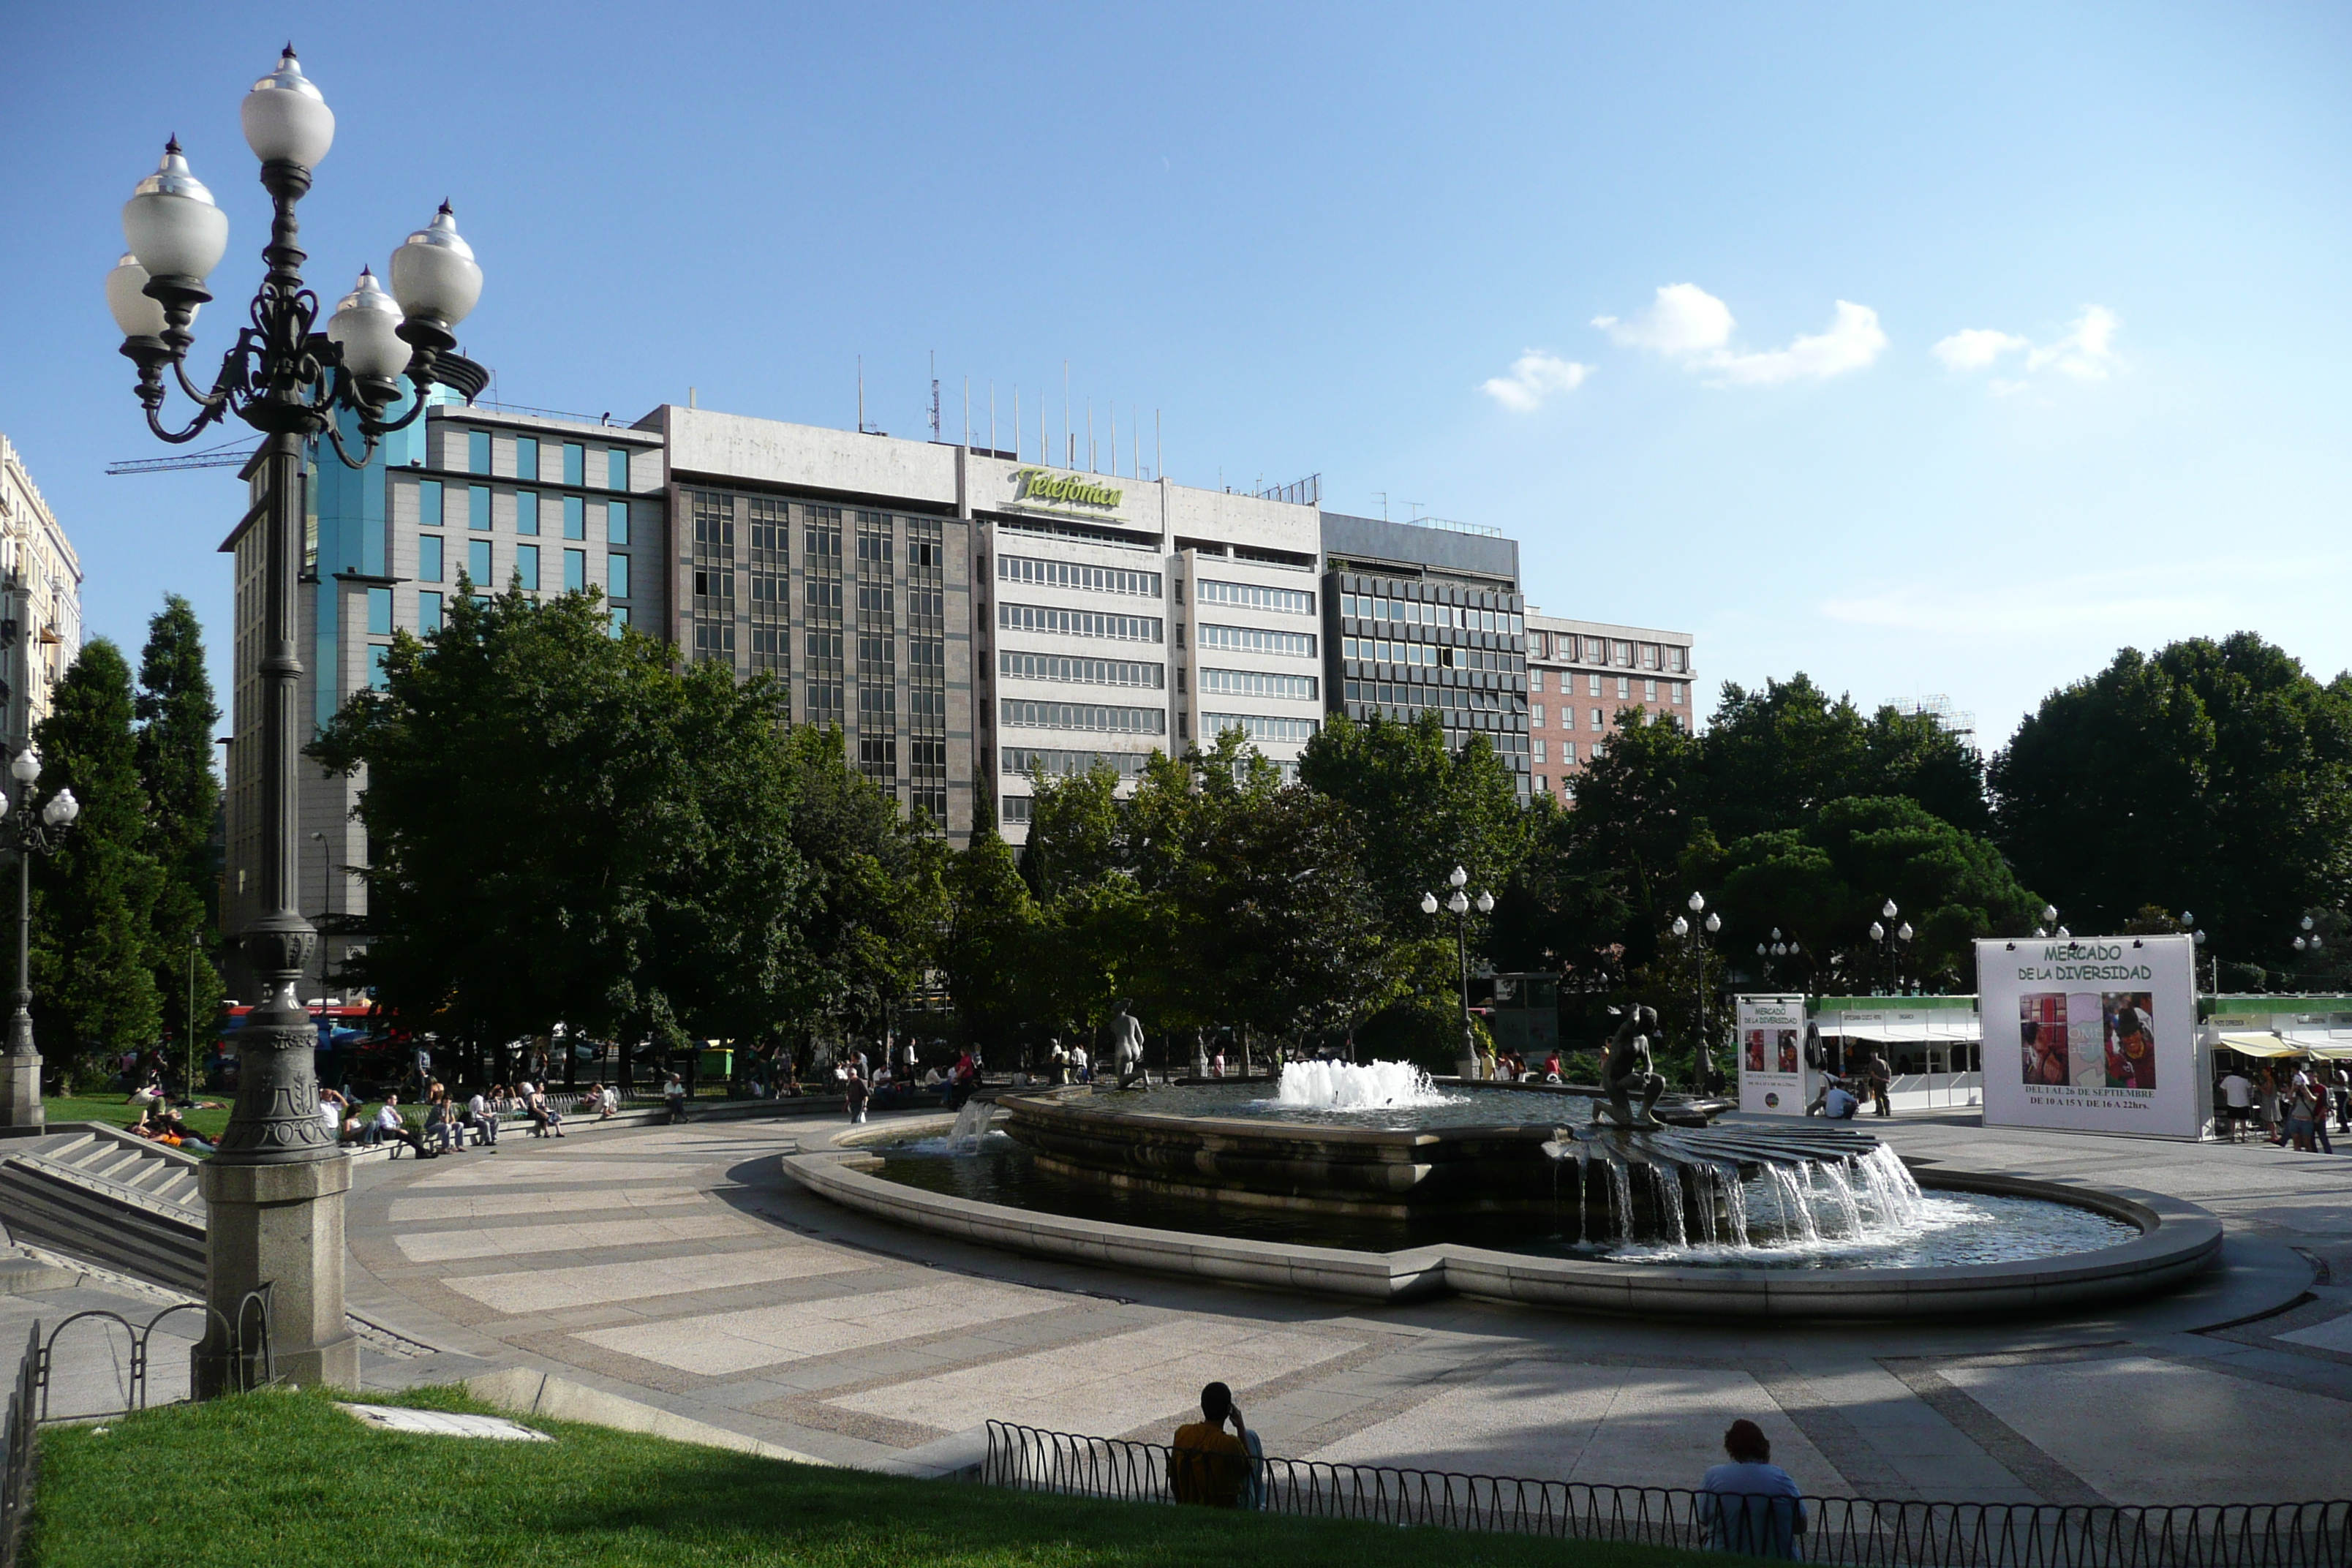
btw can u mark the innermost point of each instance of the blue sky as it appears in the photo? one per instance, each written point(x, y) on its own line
point(1991, 338)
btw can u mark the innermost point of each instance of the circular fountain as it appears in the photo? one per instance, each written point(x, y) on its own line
point(1374, 1181)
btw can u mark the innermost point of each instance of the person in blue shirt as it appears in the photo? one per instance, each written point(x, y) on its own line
point(1750, 1506)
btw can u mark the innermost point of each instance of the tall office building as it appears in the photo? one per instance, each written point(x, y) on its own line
point(1426, 617)
point(41, 577)
point(550, 502)
point(960, 615)
point(1581, 675)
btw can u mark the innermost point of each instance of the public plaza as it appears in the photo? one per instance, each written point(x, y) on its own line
point(675, 1268)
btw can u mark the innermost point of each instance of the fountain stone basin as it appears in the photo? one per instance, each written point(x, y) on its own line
point(1124, 1139)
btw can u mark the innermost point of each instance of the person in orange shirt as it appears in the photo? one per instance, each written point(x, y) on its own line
point(1207, 1464)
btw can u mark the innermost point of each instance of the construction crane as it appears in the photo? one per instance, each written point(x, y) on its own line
point(231, 455)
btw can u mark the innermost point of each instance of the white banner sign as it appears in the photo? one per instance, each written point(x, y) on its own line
point(1773, 1078)
point(2093, 1035)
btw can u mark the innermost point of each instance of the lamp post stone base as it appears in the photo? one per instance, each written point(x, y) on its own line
point(280, 1226)
point(20, 1092)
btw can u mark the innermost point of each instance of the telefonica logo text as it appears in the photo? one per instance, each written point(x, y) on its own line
point(1043, 484)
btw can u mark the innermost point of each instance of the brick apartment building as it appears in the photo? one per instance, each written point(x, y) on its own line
point(1581, 675)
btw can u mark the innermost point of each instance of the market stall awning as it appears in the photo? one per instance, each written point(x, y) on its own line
point(2260, 1045)
point(1953, 1034)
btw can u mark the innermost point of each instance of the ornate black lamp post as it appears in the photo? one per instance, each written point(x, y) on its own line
point(1703, 1064)
point(1892, 940)
point(274, 1189)
point(29, 834)
point(1458, 904)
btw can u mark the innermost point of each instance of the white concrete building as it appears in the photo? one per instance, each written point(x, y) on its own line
point(42, 579)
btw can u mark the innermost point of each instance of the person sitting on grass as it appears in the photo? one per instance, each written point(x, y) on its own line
point(1207, 1464)
point(1750, 1506)
point(181, 1135)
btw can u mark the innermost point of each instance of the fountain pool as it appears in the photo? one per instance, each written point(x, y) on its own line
point(1374, 1181)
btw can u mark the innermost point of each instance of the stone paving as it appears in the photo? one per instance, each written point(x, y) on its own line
point(678, 1267)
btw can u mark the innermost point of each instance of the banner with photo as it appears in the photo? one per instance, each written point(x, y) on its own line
point(2093, 1035)
point(1774, 1079)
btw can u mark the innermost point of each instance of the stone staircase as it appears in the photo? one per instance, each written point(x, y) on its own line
point(95, 1193)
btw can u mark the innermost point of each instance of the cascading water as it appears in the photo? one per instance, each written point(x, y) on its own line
point(1735, 1204)
point(1352, 1086)
point(1841, 1193)
point(1669, 1185)
point(971, 1126)
point(1621, 1189)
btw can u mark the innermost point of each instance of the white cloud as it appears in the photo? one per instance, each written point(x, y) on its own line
point(1852, 341)
point(2086, 352)
point(1683, 319)
point(1974, 348)
point(1535, 375)
point(1688, 323)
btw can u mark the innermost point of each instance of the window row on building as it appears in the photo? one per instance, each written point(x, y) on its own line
point(1256, 639)
point(528, 512)
point(1019, 762)
point(1057, 622)
point(1254, 597)
point(1076, 574)
point(1074, 671)
point(1260, 683)
point(1028, 714)
point(1259, 727)
point(528, 455)
point(1624, 653)
point(1430, 613)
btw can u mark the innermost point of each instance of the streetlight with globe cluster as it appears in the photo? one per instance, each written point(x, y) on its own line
point(1459, 905)
point(28, 833)
point(1893, 940)
point(274, 1189)
point(1703, 1064)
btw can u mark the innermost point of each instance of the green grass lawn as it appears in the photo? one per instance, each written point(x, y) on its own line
point(286, 1480)
point(116, 1112)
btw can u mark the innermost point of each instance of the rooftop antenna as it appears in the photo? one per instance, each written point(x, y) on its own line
point(1384, 505)
point(1093, 465)
point(1159, 449)
point(935, 394)
point(1016, 421)
point(1135, 439)
point(991, 419)
point(1069, 441)
point(861, 394)
point(967, 411)
point(1114, 438)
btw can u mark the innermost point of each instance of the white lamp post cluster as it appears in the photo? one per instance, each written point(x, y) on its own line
point(29, 833)
point(274, 1189)
point(1459, 904)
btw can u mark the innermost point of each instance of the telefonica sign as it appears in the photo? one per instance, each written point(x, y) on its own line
point(1044, 484)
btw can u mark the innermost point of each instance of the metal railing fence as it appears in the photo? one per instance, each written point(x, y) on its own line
point(1860, 1532)
point(23, 1457)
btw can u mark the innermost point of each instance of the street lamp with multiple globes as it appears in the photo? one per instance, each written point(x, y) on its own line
point(2050, 926)
point(1459, 905)
point(1891, 939)
point(274, 1189)
point(2310, 941)
point(29, 834)
point(1703, 1064)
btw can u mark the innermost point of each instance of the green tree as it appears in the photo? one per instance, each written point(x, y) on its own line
point(1826, 882)
point(988, 940)
point(94, 957)
point(878, 899)
point(177, 717)
point(567, 828)
point(1420, 807)
point(2211, 776)
point(1775, 757)
point(1639, 837)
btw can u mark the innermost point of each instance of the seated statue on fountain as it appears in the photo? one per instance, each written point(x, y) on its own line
point(1127, 1046)
point(1627, 1068)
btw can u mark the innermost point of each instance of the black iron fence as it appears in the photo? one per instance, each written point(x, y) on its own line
point(1845, 1530)
point(252, 1361)
point(16, 1481)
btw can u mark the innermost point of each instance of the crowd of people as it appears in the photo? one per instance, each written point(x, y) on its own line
point(2286, 1104)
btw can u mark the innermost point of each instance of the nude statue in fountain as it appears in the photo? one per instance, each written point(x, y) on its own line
point(1127, 1046)
point(1627, 1068)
